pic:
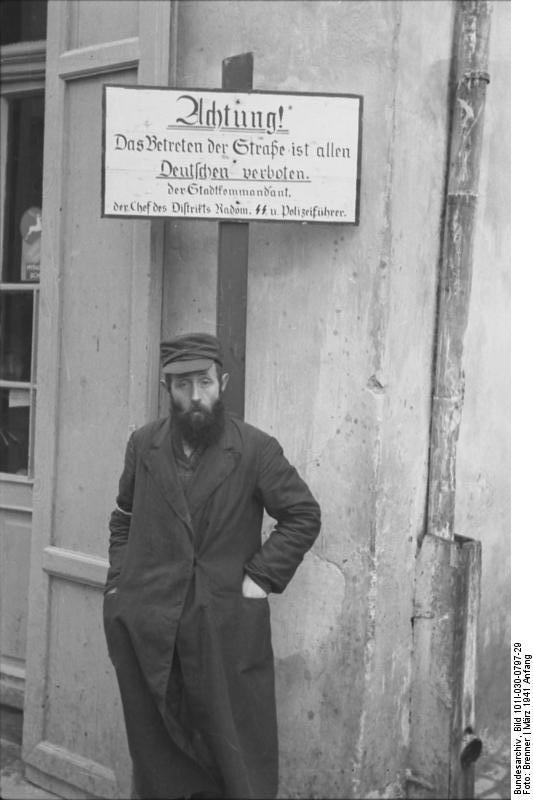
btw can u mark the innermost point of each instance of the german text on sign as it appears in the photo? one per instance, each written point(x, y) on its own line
point(202, 154)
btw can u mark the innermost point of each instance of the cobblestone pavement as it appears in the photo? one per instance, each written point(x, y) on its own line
point(493, 769)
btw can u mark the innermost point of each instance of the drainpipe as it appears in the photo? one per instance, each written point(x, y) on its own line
point(443, 744)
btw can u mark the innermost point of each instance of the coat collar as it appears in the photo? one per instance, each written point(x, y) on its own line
point(218, 461)
point(161, 465)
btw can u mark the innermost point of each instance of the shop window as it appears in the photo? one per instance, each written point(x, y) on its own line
point(19, 286)
point(22, 52)
point(22, 21)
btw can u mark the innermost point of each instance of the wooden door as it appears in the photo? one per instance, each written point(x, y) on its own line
point(99, 327)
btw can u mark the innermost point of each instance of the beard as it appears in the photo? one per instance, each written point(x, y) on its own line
point(199, 426)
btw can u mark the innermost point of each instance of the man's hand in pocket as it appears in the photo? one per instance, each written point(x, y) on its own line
point(251, 589)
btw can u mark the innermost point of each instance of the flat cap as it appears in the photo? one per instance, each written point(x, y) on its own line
point(191, 352)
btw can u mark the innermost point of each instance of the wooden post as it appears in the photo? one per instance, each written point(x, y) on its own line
point(232, 283)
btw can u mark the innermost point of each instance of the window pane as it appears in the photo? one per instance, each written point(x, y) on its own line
point(14, 430)
point(16, 312)
point(22, 21)
point(22, 224)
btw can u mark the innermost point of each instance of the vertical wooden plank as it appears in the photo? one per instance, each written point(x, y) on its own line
point(238, 73)
point(232, 282)
point(232, 291)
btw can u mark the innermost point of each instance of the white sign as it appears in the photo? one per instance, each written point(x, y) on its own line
point(201, 154)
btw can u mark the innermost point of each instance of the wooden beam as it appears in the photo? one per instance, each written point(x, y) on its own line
point(232, 282)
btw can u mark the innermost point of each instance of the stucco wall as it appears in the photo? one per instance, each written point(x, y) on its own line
point(339, 358)
point(483, 459)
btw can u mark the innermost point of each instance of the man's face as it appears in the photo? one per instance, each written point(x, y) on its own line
point(196, 393)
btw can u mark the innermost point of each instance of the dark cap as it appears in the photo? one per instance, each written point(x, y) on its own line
point(191, 352)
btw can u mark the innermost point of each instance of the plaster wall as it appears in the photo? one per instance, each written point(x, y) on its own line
point(339, 358)
point(483, 456)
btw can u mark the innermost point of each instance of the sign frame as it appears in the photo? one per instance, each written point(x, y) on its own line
point(227, 217)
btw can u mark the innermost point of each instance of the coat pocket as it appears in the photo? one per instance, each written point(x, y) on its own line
point(254, 633)
point(109, 611)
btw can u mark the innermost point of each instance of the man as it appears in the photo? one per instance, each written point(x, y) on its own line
point(186, 612)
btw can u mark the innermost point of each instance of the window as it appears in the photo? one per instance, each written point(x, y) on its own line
point(22, 175)
point(22, 21)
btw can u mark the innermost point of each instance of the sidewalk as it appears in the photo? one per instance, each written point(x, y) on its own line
point(493, 770)
point(13, 786)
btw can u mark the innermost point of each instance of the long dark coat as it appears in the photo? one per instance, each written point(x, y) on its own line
point(178, 569)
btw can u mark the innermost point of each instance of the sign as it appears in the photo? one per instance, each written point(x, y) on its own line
point(233, 156)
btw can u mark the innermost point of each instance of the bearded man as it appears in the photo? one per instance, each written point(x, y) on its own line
point(186, 610)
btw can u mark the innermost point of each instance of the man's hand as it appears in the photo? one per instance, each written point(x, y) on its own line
point(251, 589)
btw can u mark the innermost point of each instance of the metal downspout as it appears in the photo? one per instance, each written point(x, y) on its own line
point(443, 745)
